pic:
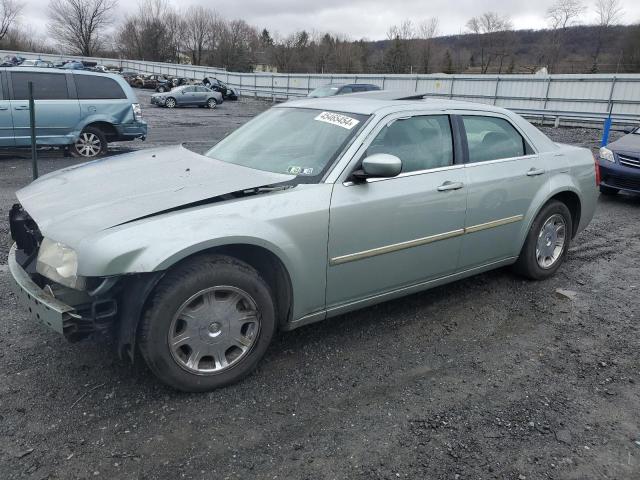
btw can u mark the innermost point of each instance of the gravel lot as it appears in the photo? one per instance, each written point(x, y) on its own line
point(491, 377)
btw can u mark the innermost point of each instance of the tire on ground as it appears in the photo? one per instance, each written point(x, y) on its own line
point(527, 264)
point(174, 289)
point(79, 149)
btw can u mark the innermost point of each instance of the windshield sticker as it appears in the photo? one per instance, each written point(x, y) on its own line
point(338, 120)
point(300, 171)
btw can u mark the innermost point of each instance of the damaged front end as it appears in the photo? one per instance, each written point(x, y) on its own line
point(108, 306)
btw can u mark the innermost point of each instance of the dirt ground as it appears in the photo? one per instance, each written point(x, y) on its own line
point(493, 377)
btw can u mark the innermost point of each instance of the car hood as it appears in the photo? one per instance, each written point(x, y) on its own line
point(75, 202)
point(628, 143)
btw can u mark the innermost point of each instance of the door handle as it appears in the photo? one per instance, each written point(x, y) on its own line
point(534, 172)
point(448, 186)
point(22, 107)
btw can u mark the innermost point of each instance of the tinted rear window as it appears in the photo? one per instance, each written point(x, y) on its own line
point(92, 87)
point(46, 86)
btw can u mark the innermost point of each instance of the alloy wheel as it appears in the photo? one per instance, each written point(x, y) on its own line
point(551, 241)
point(170, 103)
point(88, 144)
point(213, 330)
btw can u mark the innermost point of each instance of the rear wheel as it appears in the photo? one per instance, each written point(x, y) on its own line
point(547, 242)
point(208, 324)
point(170, 103)
point(211, 103)
point(91, 143)
point(608, 190)
point(162, 89)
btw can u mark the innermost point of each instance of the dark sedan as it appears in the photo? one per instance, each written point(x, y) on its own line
point(620, 165)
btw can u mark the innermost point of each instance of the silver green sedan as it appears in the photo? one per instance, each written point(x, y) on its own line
point(313, 209)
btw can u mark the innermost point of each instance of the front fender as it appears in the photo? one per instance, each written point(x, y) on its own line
point(292, 226)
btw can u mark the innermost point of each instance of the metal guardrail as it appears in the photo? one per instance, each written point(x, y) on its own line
point(587, 99)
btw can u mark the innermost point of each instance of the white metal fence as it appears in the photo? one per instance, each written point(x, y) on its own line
point(566, 98)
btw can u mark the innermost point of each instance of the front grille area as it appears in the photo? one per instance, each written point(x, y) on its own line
point(624, 183)
point(629, 161)
point(24, 230)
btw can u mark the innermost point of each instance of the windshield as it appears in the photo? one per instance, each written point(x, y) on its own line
point(326, 91)
point(296, 141)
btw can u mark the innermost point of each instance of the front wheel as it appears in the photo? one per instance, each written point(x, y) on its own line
point(547, 242)
point(211, 103)
point(162, 89)
point(208, 324)
point(170, 103)
point(91, 143)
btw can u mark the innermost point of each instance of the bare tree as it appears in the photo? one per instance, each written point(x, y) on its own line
point(427, 30)
point(493, 34)
point(608, 14)
point(564, 13)
point(561, 15)
point(9, 11)
point(78, 25)
point(198, 25)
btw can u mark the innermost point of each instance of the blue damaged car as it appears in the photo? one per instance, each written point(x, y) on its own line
point(79, 110)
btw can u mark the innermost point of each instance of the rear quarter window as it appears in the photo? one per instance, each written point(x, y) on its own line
point(46, 86)
point(90, 87)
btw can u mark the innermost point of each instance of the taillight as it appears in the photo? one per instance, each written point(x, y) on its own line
point(137, 111)
point(597, 167)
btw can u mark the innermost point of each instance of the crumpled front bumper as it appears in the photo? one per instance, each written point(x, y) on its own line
point(41, 305)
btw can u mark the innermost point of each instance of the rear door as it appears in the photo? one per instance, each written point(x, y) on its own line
point(6, 120)
point(102, 95)
point(503, 174)
point(57, 109)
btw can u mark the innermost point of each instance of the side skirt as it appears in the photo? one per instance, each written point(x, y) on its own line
point(393, 294)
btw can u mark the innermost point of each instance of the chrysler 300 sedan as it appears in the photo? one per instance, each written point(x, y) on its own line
point(315, 208)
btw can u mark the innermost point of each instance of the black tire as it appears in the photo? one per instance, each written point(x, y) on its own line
point(212, 103)
point(527, 264)
point(162, 89)
point(170, 102)
point(179, 285)
point(86, 147)
point(608, 190)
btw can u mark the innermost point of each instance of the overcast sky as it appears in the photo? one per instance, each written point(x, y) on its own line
point(356, 18)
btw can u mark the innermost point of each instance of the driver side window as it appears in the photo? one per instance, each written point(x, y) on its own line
point(421, 142)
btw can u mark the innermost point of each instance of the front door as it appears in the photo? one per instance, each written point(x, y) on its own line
point(504, 174)
point(386, 234)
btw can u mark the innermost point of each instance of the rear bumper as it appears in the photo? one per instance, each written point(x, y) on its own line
point(617, 176)
point(131, 131)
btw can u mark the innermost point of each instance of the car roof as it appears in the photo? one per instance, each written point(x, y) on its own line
point(368, 103)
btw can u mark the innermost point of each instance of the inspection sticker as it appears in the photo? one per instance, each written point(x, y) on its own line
point(338, 120)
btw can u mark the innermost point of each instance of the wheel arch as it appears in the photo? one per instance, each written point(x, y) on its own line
point(105, 127)
point(572, 200)
point(267, 263)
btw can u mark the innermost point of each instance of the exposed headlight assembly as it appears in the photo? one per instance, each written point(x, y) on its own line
point(606, 154)
point(59, 263)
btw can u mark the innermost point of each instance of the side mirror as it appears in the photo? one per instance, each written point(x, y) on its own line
point(379, 165)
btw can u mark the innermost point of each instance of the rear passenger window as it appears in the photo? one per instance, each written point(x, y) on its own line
point(90, 87)
point(491, 138)
point(422, 143)
point(46, 86)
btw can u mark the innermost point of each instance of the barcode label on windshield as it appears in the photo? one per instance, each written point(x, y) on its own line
point(338, 120)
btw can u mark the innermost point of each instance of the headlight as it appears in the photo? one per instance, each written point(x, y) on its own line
point(606, 154)
point(59, 263)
